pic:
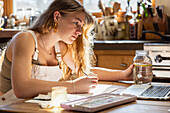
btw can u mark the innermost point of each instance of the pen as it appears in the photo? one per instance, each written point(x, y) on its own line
point(42, 99)
point(85, 73)
point(88, 75)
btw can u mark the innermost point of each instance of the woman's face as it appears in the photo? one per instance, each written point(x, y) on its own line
point(70, 26)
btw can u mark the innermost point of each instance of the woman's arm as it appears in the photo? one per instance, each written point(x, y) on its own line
point(113, 75)
point(20, 52)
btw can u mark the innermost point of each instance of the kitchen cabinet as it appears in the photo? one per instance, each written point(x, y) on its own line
point(114, 59)
point(116, 54)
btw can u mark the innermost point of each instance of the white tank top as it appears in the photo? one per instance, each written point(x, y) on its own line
point(48, 73)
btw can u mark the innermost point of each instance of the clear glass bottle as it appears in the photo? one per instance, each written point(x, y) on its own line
point(132, 29)
point(138, 14)
point(142, 71)
point(139, 22)
point(128, 16)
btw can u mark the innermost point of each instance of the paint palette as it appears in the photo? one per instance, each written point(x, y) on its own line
point(98, 102)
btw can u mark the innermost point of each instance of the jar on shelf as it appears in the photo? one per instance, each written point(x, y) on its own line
point(20, 14)
point(142, 71)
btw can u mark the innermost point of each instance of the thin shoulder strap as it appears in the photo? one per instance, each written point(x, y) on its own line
point(57, 48)
point(35, 56)
point(57, 51)
point(33, 34)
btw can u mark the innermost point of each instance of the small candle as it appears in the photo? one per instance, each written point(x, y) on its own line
point(59, 95)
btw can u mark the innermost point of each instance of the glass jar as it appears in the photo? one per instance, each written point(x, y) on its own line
point(142, 71)
point(58, 95)
point(20, 14)
point(29, 13)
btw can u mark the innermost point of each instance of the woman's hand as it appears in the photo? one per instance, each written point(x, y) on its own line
point(128, 73)
point(84, 84)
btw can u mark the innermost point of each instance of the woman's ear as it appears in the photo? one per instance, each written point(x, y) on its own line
point(56, 16)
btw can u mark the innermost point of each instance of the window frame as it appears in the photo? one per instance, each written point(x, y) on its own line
point(8, 7)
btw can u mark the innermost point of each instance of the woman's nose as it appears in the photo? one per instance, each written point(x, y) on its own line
point(79, 30)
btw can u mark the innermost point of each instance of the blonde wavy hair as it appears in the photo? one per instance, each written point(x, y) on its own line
point(81, 48)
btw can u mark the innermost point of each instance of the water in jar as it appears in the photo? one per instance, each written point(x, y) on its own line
point(142, 73)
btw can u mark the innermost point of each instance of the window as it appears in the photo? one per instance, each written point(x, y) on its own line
point(37, 6)
point(92, 5)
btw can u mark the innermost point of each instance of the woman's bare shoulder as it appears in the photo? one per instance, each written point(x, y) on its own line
point(22, 43)
point(23, 36)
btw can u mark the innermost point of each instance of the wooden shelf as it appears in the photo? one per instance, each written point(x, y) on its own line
point(8, 33)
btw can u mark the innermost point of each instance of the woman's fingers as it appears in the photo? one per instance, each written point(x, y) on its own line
point(85, 83)
point(94, 84)
point(93, 80)
point(93, 87)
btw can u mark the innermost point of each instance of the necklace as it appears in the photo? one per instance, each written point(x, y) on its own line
point(45, 48)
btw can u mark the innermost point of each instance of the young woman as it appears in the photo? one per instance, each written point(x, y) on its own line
point(55, 51)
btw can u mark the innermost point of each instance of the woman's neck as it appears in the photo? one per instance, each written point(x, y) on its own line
point(48, 40)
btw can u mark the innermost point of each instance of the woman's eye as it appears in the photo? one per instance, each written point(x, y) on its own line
point(76, 23)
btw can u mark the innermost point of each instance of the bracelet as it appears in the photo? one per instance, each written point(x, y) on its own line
point(72, 77)
point(74, 87)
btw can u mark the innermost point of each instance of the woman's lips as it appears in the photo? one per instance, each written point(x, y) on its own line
point(74, 37)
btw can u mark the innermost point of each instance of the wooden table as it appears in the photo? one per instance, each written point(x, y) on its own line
point(138, 106)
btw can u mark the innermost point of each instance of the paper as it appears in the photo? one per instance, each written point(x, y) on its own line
point(100, 88)
point(42, 96)
point(103, 88)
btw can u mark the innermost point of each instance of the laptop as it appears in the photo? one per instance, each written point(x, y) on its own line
point(143, 91)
